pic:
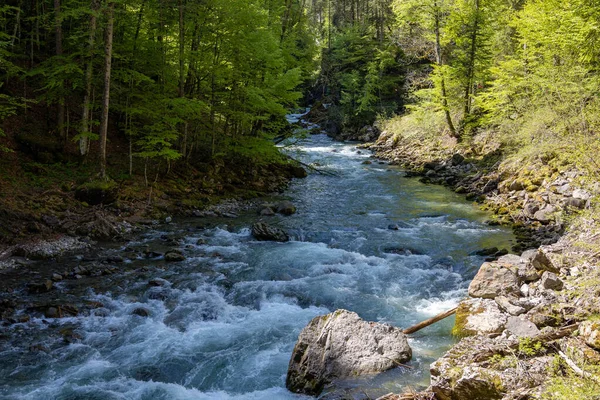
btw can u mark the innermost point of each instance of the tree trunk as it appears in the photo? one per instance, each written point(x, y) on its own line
point(84, 141)
point(106, 96)
point(285, 20)
point(181, 73)
point(17, 28)
point(471, 66)
point(138, 27)
point(429, 321)
point(192, 70)
point(440, 62)
point(59, 51)
point(181, 50)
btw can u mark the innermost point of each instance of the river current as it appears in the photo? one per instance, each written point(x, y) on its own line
point(222, 324)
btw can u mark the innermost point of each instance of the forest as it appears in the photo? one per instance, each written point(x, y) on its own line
point(180, 81)
point(174, 82)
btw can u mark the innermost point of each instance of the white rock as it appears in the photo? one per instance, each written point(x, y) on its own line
point(479, 317)
point(581, 194)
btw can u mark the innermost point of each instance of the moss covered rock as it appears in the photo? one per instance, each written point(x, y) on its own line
point(97, 192)
point(477, 317)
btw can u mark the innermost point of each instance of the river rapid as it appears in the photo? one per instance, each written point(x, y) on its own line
point(222, 324)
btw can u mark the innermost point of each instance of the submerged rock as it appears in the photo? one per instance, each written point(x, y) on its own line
point(297, 171)
point(40, 287)
point(141, 311)
point(266, 210)
point(174, 256)
point(339, 345)
point(286, 208)
point(262, 231)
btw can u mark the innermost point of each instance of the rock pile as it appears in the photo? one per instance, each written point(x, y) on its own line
point(513, 325)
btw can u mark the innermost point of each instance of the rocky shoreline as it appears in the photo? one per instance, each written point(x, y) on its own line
point(529, 326)
point(68, 222)
point(535, 199)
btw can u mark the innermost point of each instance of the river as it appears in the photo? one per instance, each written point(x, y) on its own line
point(222, 323)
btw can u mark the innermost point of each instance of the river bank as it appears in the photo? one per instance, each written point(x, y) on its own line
point(43, 222)
point(529, 325)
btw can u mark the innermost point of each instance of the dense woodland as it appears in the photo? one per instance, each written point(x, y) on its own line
point(176, 82)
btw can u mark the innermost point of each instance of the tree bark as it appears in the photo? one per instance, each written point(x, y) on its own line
point(106, 96)
point(84, 141)
point(138, 27)
point(181, 50)
point(59, 51)
point(192, 73)
point(429, 321)
point(471, 65)
point(440, 63)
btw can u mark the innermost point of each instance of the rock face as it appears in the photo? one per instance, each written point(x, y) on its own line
point(521, 327)
point(339, 345)
point(478, 317)
point(551, 281)
point(494, 279)
point(262, 231)
point(480, 368)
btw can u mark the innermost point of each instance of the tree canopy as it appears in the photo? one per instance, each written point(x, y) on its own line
point(194, 80)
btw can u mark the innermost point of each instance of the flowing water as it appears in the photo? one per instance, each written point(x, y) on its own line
point(222, 324)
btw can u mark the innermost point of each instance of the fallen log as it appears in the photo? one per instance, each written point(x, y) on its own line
point(312, 167)
point(429, 321)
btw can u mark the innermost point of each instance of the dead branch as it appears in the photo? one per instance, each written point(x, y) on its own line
point(429, 321)
point(576, 368)
point(312, 167)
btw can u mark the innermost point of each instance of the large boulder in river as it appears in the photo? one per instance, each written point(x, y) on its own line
point(262, 231)
point(339, 345)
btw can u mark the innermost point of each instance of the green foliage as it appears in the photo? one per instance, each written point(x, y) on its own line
point(186, 87)
point(566, 385)
point(530, 348)
point(253, 151)
point(8, 104)
point(363, 77)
